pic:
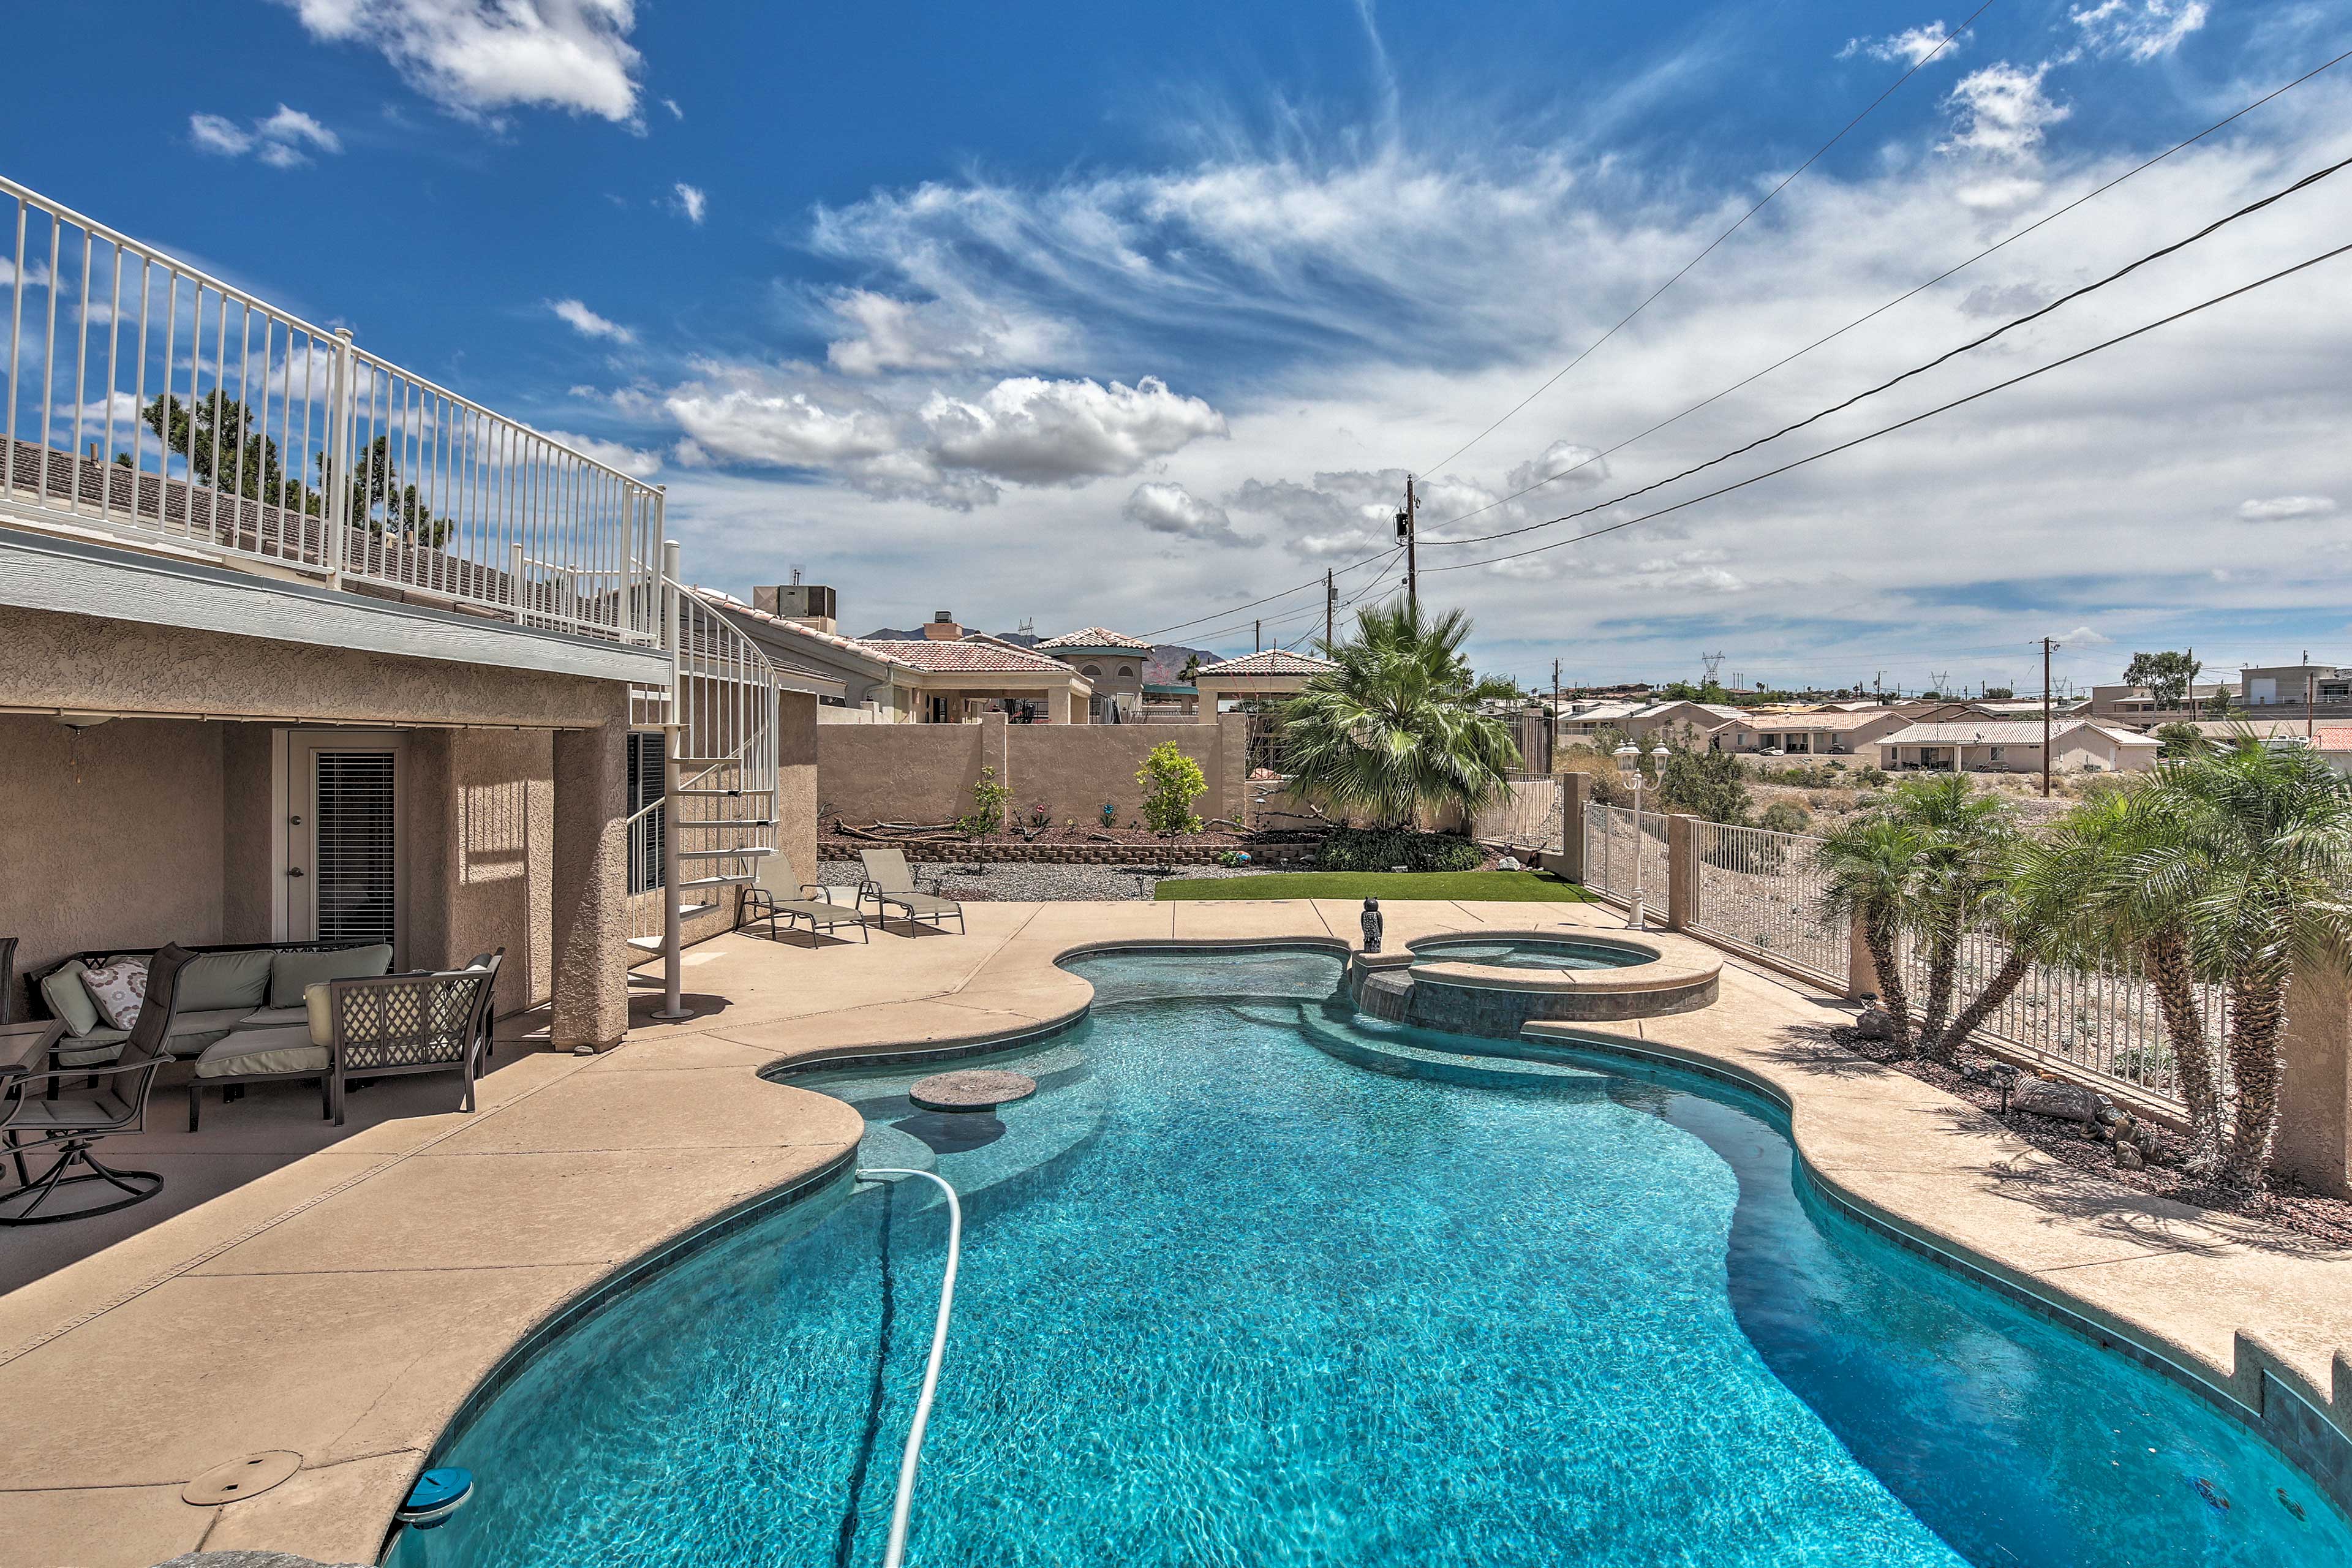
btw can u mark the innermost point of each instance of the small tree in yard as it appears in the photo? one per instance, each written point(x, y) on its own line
point(1171, 782)
point(2179, 739)
point(987, 814)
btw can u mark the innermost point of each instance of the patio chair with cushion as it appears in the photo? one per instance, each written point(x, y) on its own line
point(37, 1118)
point(890, 884)
point(778, 892)
point(432, 1021)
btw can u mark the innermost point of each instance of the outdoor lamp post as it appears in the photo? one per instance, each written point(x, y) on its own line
point(1629, 768)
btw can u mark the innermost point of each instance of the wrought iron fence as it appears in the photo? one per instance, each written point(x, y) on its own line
point(1615, 853)
point(1527, 816)
point(147, 400)
point(2099, 1020)
point(1762, 890)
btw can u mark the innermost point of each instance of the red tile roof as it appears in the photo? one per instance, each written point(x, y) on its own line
point(1273, 661)
point(979, 658)
point(1096, 637)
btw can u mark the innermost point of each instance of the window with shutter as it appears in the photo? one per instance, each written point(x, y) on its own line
point(356, 867)
point(648, 758)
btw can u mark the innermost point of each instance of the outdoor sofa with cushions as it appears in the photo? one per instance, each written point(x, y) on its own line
point(384, 1025)
point(222, 991)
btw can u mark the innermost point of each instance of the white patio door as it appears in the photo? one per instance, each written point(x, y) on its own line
point(342, 837)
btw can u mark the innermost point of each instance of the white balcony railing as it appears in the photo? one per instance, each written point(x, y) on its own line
point(152, 403)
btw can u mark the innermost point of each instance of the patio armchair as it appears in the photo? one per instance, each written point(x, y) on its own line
point(388, 1027)
point(37, 1118)
point(778, 893)
point(890, 884)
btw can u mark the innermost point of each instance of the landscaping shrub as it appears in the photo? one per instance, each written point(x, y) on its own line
point(1786, 817)
point(1379, 849)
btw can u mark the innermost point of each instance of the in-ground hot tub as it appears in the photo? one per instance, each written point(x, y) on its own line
point(1496, 982)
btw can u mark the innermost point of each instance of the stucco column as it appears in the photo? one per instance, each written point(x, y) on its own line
point(2315, 1135)
point(1681, 871)
point(591, 886)
point(1575, 794)
point(1059, 704)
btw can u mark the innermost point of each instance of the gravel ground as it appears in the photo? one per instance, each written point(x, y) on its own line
point(1018, 882)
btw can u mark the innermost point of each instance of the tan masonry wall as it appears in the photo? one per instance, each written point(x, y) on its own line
point(924, 772)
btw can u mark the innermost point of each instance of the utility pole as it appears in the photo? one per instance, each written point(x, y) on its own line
point(2192, 686)
point(1331, 606)
point(2307, 695)
point(2046, 646)
point(1257, 636)
point(1404, 521)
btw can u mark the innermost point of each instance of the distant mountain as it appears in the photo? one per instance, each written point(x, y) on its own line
point(1164, 667)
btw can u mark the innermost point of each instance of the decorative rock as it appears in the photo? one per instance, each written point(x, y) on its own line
point(2144, 1140)
point(1508, 863)
point(2060, 1101)
point(2128, 1157)
point(971, 1089)
point(1876, 1023)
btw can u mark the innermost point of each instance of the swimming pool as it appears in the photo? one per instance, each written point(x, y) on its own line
point(1533, 953)
point(1227, 1299)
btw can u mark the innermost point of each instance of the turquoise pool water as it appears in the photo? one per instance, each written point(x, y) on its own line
point(1533, 953)
point(1228, 1300)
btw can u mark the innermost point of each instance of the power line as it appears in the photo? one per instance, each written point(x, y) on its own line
point(1270, 598)
point(1915, 418)
point(2063, 300)
point(1957, 267)
point(1918, 66)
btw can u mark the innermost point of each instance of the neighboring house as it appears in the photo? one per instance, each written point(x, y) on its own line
point(2134, 705)
point(1113, 664)
point(2014, 746)
point(2262, 686)
point(265, 704)
point(960, 679)
point(1275, 672)
point(1829, 732)
point(875, 687)
point(1579, 722)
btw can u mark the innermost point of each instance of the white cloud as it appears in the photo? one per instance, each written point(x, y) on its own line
point(887, 333)
point(1165, 508)
point(1910, 46)
point(2287, 509)
point(950, 451)
point(1037, 432)
point(2138, 29)
point(2002, 111)
point(692, 200)
point(588, 324)
point(674, 111)
point(283, 140)
point(612, 454)
point(2083, 636)
point(480, 56)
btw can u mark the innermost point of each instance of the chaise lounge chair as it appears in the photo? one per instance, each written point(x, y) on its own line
point(891, 886)
point(777, 892)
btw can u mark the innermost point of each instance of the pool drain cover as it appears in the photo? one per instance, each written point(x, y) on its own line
point(241, 1478)
point(971, 1089)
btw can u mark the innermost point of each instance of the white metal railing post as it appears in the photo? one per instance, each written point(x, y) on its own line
point(672, 784)
point(340, 412)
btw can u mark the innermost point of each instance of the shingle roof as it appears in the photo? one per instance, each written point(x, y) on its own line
point(1273, 661)
point(1098, 636)
point(970, 655)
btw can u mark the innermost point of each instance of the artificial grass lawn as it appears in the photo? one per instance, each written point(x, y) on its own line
point(1497, 887)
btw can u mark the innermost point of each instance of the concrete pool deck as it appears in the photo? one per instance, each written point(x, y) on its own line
point(343, 1306)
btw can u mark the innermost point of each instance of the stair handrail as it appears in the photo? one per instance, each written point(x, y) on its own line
point(894, 1552)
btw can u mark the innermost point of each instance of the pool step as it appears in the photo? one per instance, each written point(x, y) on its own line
point(1490, 1064)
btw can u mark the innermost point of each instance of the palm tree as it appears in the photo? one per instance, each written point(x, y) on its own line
point(1967, 842)
point(1392, 730)
point(2256, 845)
point(1872, 863)
point(2117, 879)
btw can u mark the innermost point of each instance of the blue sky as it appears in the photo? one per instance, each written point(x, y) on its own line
point(1129, 315)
